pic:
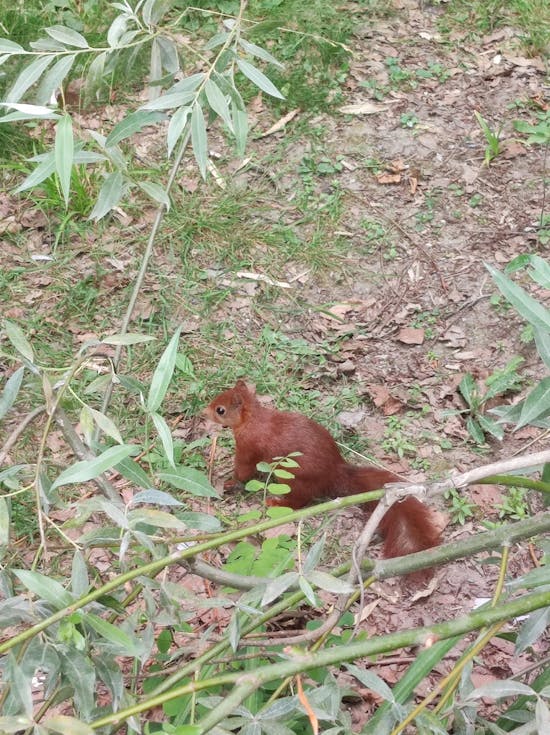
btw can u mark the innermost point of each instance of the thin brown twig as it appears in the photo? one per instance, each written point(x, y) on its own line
point(19, 429)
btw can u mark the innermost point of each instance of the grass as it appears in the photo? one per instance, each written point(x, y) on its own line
point(530, 17)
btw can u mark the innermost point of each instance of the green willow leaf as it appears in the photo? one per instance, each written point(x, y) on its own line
point(191, 480)
point(109, 195)
point(529, 308)
point(89, 469)
point(163, 373)
point(15, 335)
point(64, 154)
point(67, 36)
point(259, 78)
point(199, 138)
point(11, 389)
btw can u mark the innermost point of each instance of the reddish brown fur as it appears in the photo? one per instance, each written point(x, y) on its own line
point(262, 433)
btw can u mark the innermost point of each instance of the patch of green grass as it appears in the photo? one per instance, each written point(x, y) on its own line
point(530, 17)
point(395, 438)
point(310, 39)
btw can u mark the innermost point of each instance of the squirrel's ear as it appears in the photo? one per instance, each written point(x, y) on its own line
point(243, 386)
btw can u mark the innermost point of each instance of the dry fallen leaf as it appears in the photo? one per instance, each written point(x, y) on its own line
point(280, 124)
point(512, 149)
point(454, 336)
point(388, 178)
point(362, 108)
point(411, 336)
point(382, 399)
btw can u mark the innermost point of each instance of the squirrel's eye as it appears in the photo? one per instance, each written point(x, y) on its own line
point(220, 410)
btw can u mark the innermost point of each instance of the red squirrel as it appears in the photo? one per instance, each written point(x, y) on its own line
point(262, 433)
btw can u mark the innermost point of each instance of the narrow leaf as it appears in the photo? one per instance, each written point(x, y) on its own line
point(199, 138)
point(156, 518)
point(11, 389)
point(500, 689)
point(536, 404)
point(125, 643)
point(259, 78)
point(542, 341)
point(116, 29)
point(487, 424)
point(89, 469)
point(240, 128)
point(10, 47)
point(468, 389)
point(541, 271)
point(307, 589)
point(329, 583)
point(191, 480)
point(475, 430)
point(163, 431)
point(168, 53)
point(28, 77)
point(163, 373)
point(216, 100)
point(53, 80)
point(67, 36)
point(200, 521)
point(64, 154)
point(80, 582)
point(156, 192)
point(132, 123)
point(314, 555)
point(4, 523)
point(528, 307)
point(106, 425)
point(46, 588)
point(127, 339)
point(94, 76)
point(260, 53)
point(109, 195)
point(278, 587)
point(43, 171)
point(371, 681)
point(176, 127)
point(532, 629)
point(15, 335)
point(169, 101)
point(155, 497)
point(132, 471)
point(188, 84)
point(29, 112)
point(80, 672)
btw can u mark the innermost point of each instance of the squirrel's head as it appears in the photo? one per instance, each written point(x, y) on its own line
point(227, 408)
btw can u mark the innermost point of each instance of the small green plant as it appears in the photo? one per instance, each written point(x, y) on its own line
point(426, 320)
point(537, 133)
point(543, 231)
point(408, 120)
point(274, 471)
point(395, 440)
point(534, 409)
point(434, 70)
point(476, 396)
point(499, 304)
point(460, 507)
point(399, 76)
point(492, 138)
point(514, 504)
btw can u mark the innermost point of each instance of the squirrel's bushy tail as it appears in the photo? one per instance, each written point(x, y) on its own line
point(408, 525)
